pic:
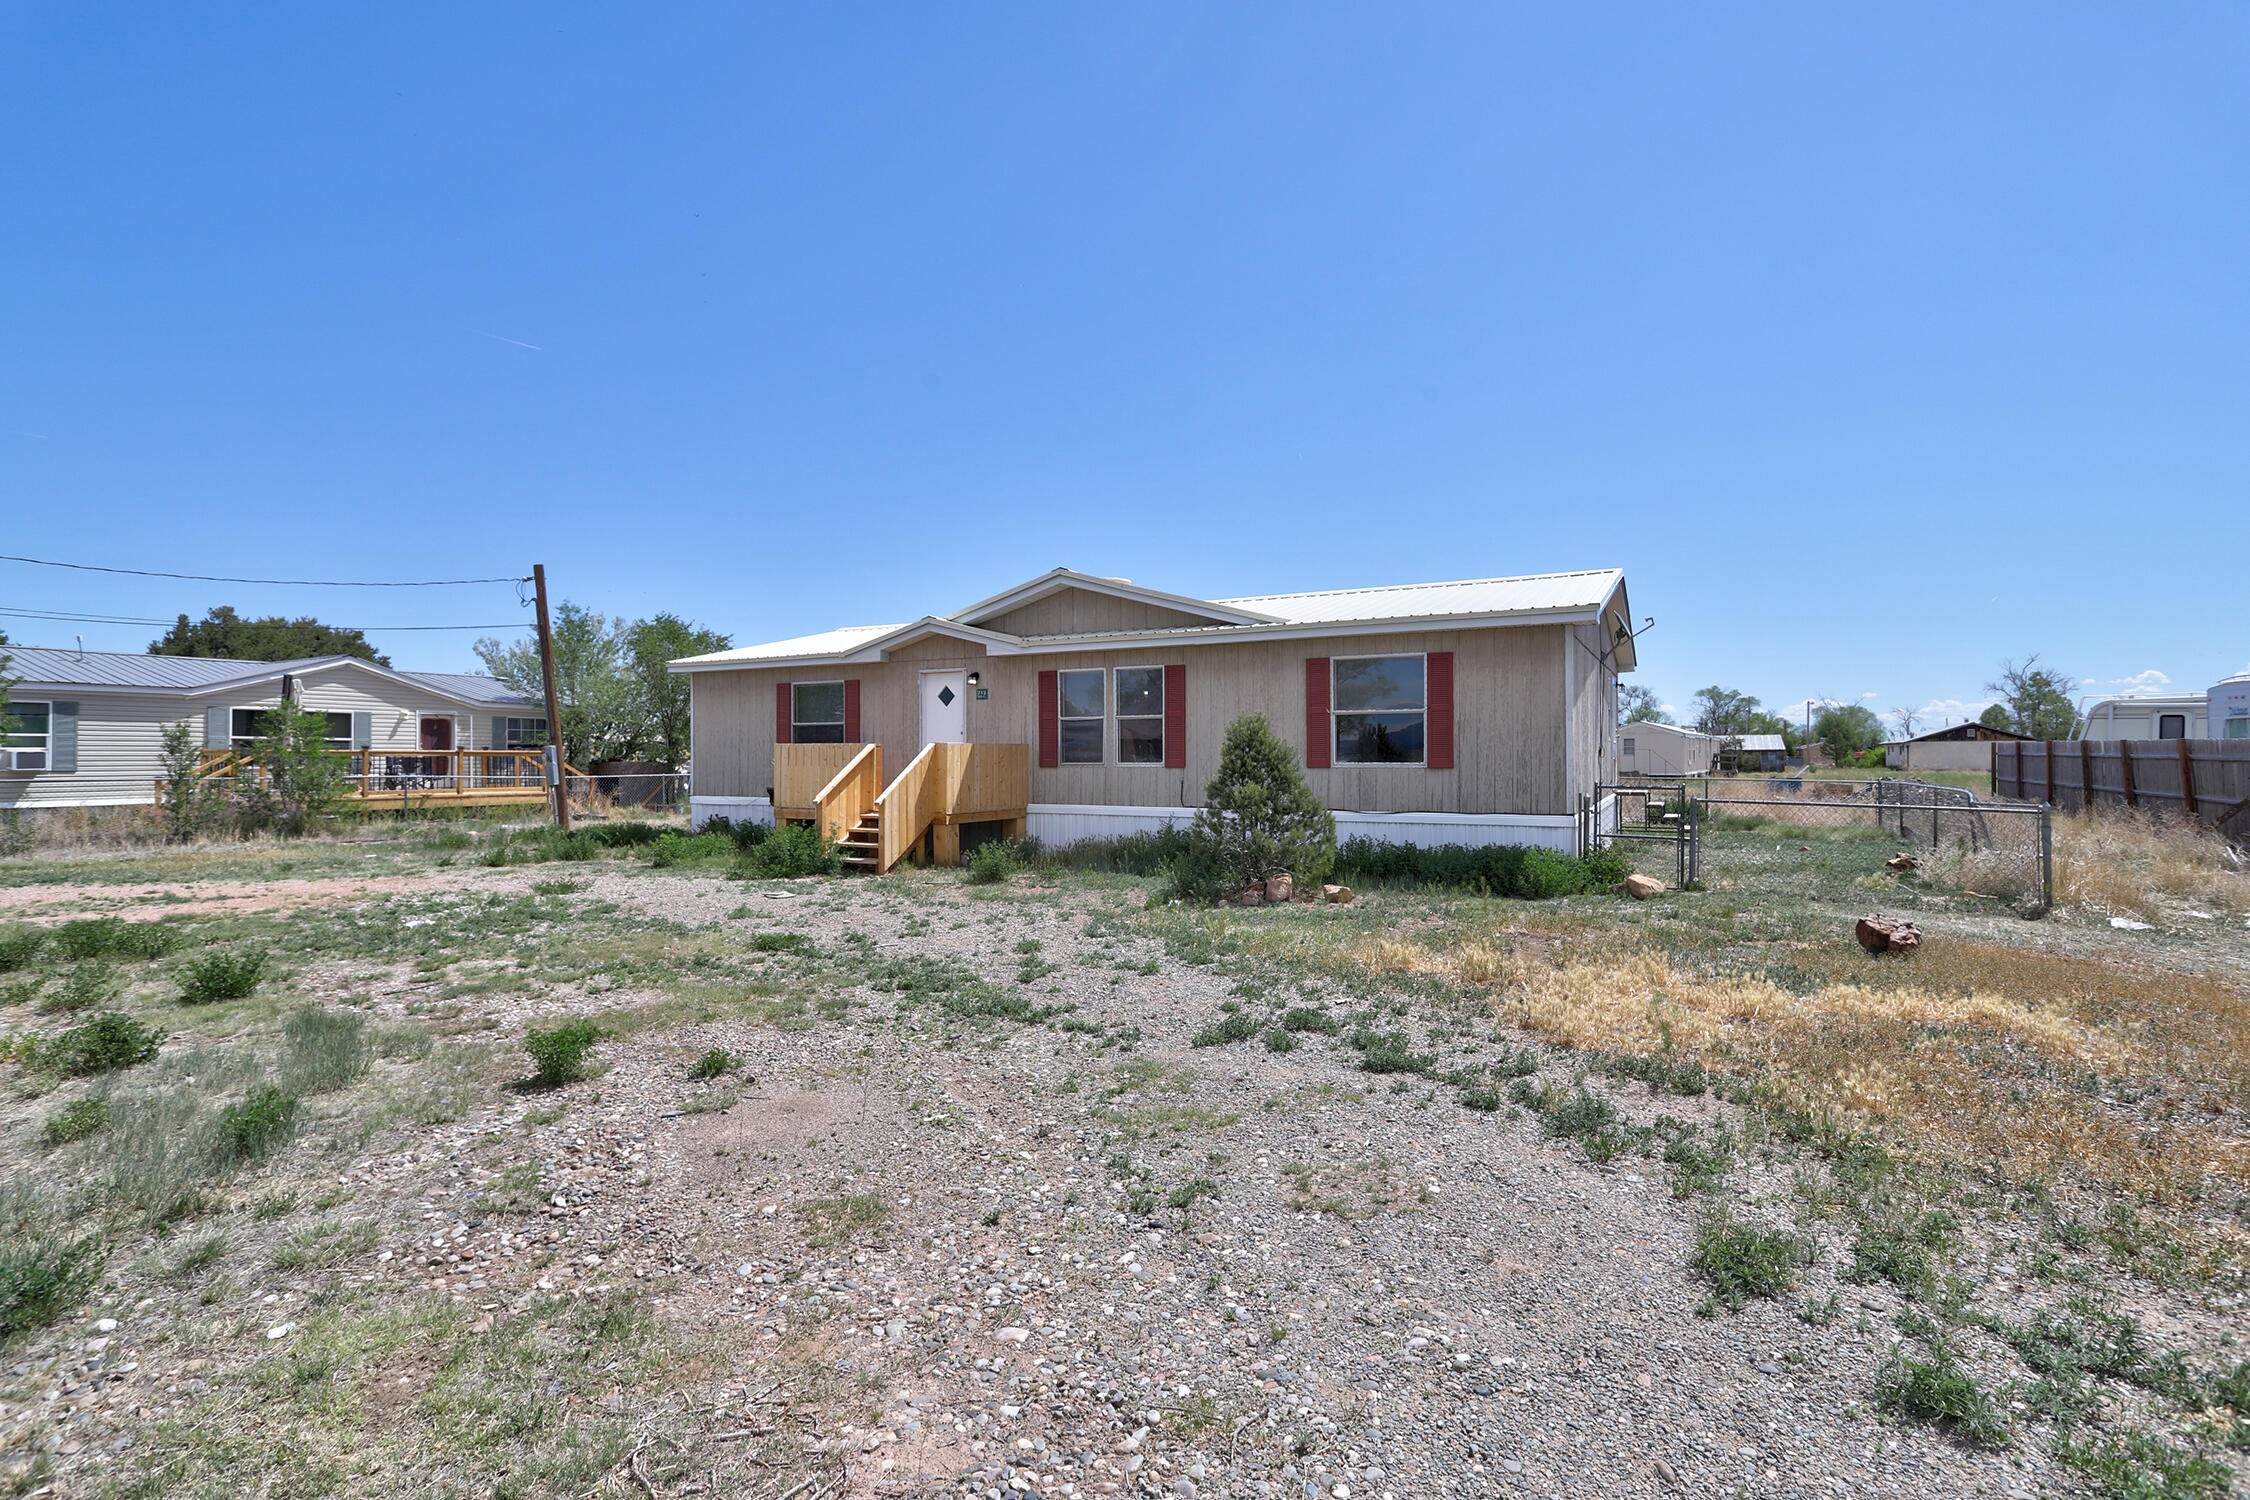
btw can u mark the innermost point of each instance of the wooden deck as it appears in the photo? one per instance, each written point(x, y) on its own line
point(380, 781)
point(942, 788)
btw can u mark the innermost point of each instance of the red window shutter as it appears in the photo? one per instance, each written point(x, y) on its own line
point(1438, 734)
point(1050, 720)
point(781, 713)
point(1318, 735)
point(851, 709)
point(1175, 717)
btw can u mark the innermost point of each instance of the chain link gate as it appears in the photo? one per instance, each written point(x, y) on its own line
point(1651, 816)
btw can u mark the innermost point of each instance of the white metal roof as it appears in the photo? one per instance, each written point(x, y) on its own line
point(1759, 741)
point(1526, 600)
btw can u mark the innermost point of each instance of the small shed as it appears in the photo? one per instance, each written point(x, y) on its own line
point(1957, 747)
point(1759, 752)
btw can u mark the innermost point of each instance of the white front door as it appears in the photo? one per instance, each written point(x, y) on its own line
point(945, 707)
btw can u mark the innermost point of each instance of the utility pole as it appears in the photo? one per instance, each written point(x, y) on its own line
point(554, 700)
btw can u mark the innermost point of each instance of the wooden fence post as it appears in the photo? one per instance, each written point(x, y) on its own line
point(2086, 774)
point(2050, 773)
point(2187, 776)
point(2125, 766)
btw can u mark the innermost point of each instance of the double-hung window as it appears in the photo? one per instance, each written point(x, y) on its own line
point(816, 713)
point(24, 745)
point(251, 725)
point(1081, 712)
point(1625, 747)
point(1381, 709)
point(521, 734)
point(1140, 716)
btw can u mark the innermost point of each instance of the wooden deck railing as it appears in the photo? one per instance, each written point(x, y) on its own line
point(800, 771)
point(384, 776)
point(948, 785)
point(850, 794)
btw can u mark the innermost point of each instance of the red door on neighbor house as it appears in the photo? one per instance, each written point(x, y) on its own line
point(437, 734)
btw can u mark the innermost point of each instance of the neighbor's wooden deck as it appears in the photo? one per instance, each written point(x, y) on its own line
point(384, 781)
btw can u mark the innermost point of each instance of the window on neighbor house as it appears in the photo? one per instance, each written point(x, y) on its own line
point(250, 725)
point(2171, 726)
point(816, 713)
point(1379, 704)
point(23, 736)
point(521, 734)
point(1080, 710)
point(1140, 716)
point(1625, 746)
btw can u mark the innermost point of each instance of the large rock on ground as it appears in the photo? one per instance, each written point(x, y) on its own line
point(1640, 887)
point(1881, 934)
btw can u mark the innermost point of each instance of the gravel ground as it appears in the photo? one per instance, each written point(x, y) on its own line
point(1473, 1310)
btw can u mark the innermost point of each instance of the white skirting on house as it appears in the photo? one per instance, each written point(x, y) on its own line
point(702, 810)
point(1057, 824)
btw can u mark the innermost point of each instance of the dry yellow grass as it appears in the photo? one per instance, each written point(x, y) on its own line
point(2121, 861)
point(1986, 1053)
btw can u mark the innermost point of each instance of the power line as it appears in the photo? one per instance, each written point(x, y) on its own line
point(310, 583)
point(49, 614)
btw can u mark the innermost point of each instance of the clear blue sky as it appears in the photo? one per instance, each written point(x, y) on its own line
point(1876, 344)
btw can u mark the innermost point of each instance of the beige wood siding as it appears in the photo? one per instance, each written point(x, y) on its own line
point(1509, 719)
point(1082, 612)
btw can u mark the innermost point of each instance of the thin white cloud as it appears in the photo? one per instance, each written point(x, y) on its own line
point(503, 338)
point(2150, 681)
point(1938, 713)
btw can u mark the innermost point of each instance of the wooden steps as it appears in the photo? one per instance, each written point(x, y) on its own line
point(863, 846)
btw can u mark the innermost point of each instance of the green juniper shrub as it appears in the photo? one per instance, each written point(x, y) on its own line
point(86, 985)
point(991, 863)
point(41, 1277)
point(711, 1064)
point(795, 850)
point(19, 947)
point(559, 1053)
point(218, 975)
point(1938, 1390)
point(247, 1130)
point(105, 1044)
point(76, 1123)
point(1742, 1261)
point(1259, 818)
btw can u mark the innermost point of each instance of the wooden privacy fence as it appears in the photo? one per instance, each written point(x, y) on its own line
point(2207, 780)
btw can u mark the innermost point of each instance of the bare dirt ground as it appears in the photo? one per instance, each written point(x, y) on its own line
point(967, 1211)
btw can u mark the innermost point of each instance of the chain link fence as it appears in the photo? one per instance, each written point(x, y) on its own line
point(1774, 830)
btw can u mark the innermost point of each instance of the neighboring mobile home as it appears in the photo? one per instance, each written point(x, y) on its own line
point(1090, 707)
point(84, 726)
point(1647, 749)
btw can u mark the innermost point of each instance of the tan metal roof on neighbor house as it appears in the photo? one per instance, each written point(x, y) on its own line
point(1581, 595)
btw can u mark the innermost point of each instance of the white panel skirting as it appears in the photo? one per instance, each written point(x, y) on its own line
point(1057, 824)
point(702, 810)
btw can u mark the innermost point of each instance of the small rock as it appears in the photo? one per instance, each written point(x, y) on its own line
point(281, 1330)
point(106, 1325)
point(1340, 894)
point(1664, 1472)
point(1184, 1487)
point(1768, 1367)
point(1282, 888)
point(2127, 924)
point(1878, 933)
point(1012, 1335)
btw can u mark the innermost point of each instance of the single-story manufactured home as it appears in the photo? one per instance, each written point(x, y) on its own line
point(1957, 747)
point(1651, 749)
point(1075, 706)
point(83, 727)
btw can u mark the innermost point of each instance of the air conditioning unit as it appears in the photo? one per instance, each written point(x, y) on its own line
point(26, 760)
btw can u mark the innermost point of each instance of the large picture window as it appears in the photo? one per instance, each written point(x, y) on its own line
point(1140, 716)
point(1381, 706)
point(24, 727)
point(816, 713)
point(1082, 713)
point(250, 726)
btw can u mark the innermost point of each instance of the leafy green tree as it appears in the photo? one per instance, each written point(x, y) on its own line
point(1995, 716)
point(223, 633)
point(1724, 711)
point(1847, 729)
point(2035, 699)
point(599, 721)
point(190, 800)
point(1638, 705)
point(293, 779)
point(1259, 817)
point(663, 696)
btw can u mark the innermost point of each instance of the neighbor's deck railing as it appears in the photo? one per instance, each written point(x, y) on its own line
point(385, 775)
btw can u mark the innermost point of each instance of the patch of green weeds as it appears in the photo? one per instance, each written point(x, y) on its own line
point(1903, 1251)
point(324, 1049)
point(84, 986)
point(218, 975)
point(325, 1243)
point(1311, 1018)
point(1239, 1027)
point(2142, 1466)
point(114, 937)
point(711, 1064)
point(830, 1222)
point(41, 1277)
point(255, 1126)
point(1938, 1390)
point(75, 1123)
point(558, 1053)
point(1742, 1261)
point(105, 1044)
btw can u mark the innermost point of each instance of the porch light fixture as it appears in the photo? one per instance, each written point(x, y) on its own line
point(975, 678)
